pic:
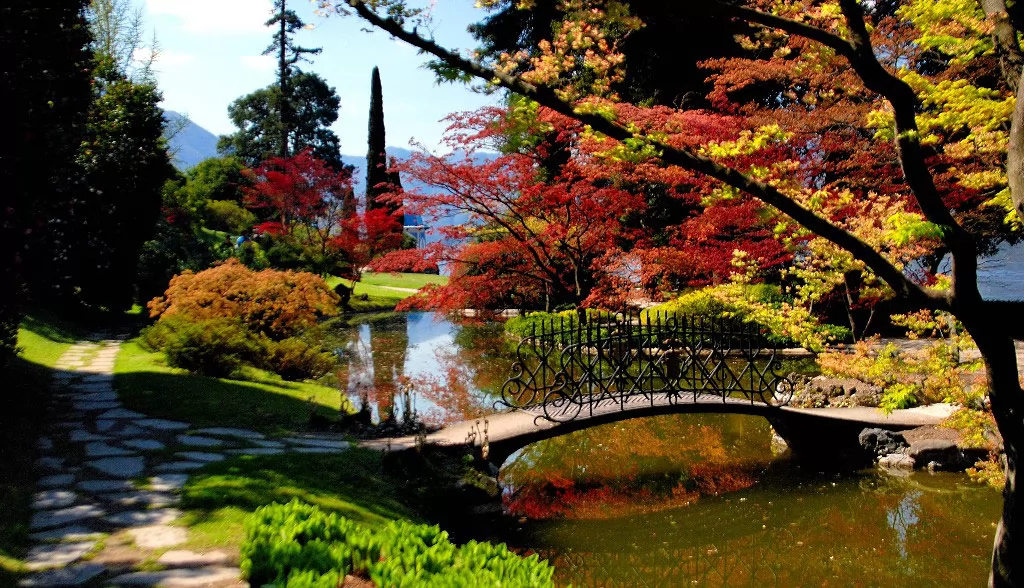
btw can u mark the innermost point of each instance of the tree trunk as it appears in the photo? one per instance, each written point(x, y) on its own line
point(1007, 399)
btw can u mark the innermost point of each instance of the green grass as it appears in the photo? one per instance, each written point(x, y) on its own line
point(43, 339)
point(414, 281)
point(263, 402)
point(217, 498)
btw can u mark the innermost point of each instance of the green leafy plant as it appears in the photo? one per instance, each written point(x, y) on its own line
point(295, 359)
point(214, 347)
point(300, 545)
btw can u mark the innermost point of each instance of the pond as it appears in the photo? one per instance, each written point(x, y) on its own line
point(703, 500)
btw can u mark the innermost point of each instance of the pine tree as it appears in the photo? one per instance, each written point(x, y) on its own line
point(288, 55)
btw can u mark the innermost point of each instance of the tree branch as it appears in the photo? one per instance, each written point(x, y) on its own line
point(903, 286)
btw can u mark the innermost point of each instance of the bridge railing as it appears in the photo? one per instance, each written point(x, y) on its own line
point(567, 365)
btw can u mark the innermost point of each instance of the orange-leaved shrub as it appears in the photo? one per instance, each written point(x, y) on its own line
point(274, 303)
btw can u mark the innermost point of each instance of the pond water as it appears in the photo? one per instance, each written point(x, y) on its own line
point(699, 500)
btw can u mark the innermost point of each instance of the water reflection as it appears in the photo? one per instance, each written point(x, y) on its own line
point(401, 364)
point(688, 500)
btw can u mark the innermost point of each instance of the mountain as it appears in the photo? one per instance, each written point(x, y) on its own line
point(189, 143)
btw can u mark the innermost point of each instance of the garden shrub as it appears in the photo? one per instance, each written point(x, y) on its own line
point(215, 347)
point(226, 215)
point(294, 359)
point(274, 303)
point(298, 545)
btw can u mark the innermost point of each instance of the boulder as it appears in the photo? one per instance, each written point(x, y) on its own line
point(825, 391)
point(878, 443)
point(937, 454)
point(897, 463)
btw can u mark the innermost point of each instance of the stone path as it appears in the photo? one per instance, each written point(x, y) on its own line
point(104, 512)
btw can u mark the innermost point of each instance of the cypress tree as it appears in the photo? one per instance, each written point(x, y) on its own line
point(380, 179)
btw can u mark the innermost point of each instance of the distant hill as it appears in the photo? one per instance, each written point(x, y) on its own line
point(190, 143)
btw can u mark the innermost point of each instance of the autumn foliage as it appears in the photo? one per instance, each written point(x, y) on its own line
point(274, 303)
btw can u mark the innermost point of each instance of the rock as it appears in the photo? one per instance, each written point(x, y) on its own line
point(201, 456)
point(119, 467)
point(70, 576)
point(189, 559)
point(158, 536)
point(56, 481)
point(121, 413)
point(55, 555)
point(53, 499)
point(256, 451)
point(824, 391)
point(945, 454)
point(231, 432)
point(880, 442)
point(69, 533)
point(179, 466)
point(44, 519)
point(180, 577)
point(168, 482)
point(106, 485)
point(896, 462)
point(101, 449)
point(197, 441)
point(157, 516)
point(144, 444)
point(162, 424)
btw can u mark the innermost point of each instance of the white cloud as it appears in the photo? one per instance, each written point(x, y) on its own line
point(215, 16)
point(258, 63)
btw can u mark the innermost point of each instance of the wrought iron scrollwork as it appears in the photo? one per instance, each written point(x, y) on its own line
point(568, 366)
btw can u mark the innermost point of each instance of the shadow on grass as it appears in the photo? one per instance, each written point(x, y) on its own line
point(352, 483)
point(25, 394)
point(211, 402)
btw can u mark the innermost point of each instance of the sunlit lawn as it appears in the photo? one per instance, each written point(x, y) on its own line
point(413, 281)
point(263, 402)
point(378, 289)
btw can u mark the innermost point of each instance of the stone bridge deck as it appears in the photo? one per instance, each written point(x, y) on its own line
point(508, 431)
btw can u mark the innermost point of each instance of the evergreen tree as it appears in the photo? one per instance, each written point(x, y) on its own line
point(288, 55)
point(258, 119)
point(379, 179)
point(294, 113)
point(44, 83)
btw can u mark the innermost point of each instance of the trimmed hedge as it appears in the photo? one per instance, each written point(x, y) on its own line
point(297, 545)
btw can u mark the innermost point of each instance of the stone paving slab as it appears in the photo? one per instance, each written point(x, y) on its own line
point(50, 463)
point(269, 444)
point(158, 536)
point(191, 559)
point(53, 499)
point(314, 442)
point(168, 482)
point(54, 555)
point(69, 576)
point(197, 441)
point(232, 432)
point(55, 481)
point(162, 424)
point(144, 444)
point(69, 533)
point(201, 456)
point(179, 466)
point(256, 451)
point(44, 519)
point(101, 449)
point(82, 436)
point(119, 467)
point(106, 485)
point(121, 413)
point(146, 498)
point(178, 578)
point(128, 431)
point(44, 444)
point(142, 518)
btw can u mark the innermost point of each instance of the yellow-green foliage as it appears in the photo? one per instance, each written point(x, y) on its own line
point(906, 379)
point(299, 545)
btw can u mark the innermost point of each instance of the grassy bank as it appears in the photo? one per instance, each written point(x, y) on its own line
point(43, 339)
point(383, 291)
point(263, 402)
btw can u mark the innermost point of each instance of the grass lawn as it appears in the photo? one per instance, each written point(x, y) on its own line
point(379, 292)
point(217, 498)
point(413, 281)
point(43, 339)
point(264, 402)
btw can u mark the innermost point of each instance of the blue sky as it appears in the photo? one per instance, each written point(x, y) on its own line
point(210, 55)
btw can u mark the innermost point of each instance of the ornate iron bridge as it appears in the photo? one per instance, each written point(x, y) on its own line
point(625, 360)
